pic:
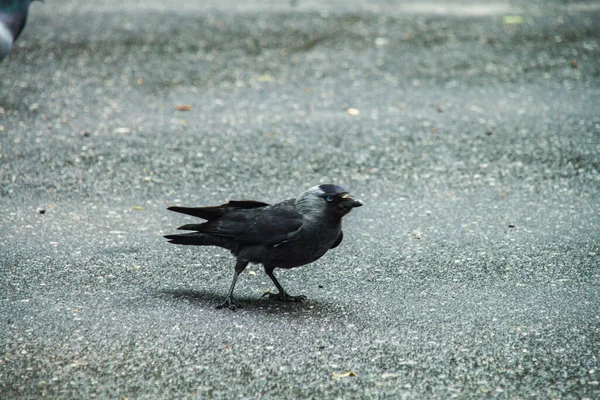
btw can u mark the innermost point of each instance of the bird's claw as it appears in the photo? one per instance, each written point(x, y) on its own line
point(229, 303)
point(285, 297)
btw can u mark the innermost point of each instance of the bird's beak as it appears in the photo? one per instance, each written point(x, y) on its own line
point(351, 202)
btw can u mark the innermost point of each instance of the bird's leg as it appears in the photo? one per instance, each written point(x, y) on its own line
point(229, 303)
point(282, 295)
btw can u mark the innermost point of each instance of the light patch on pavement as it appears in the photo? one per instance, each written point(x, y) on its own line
point(421, 8)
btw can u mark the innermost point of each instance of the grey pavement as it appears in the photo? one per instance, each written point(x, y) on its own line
point(471, 131)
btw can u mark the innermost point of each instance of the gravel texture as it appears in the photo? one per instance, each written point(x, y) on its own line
point(473, 270)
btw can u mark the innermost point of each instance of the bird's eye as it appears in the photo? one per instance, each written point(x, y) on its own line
point(329, 198)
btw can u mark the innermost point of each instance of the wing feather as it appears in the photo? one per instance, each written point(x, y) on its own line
point(214, 212)
point(266, 226)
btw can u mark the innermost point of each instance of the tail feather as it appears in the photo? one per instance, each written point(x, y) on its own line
point(200, 239)
point(207, 213)
point(211, 213)
point(191, 227)
point(188, 238)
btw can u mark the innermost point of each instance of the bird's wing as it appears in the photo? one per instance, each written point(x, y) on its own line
point(267, 226)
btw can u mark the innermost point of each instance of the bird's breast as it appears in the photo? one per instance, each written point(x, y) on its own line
point(304, 249)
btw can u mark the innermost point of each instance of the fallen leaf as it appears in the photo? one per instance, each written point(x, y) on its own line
point(343, 375)
point(265, 78)
point(513, 20)
point(183, 107)
point(137, 208)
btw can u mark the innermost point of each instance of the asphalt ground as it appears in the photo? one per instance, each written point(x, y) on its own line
point(470, 131)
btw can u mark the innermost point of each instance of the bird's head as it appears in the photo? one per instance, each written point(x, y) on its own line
point(326, 199)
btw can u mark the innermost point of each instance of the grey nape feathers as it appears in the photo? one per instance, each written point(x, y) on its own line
point(289, 234)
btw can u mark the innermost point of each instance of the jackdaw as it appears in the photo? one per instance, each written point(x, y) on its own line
point(13, 15)
point(289, 234)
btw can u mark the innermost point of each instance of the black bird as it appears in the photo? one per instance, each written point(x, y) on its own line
point(13, 15)
point(289, 234)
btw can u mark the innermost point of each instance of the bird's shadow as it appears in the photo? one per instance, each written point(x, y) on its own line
point(247, 303)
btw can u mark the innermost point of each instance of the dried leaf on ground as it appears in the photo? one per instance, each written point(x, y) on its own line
point(343, 375)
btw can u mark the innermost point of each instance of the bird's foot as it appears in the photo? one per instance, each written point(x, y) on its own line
point(229, 303)
point(285, 297)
